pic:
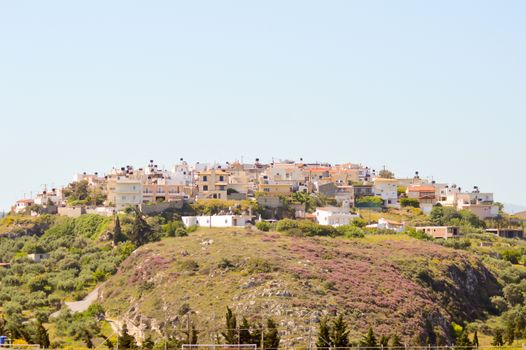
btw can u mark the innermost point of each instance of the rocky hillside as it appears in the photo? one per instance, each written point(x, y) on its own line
point(393, 283)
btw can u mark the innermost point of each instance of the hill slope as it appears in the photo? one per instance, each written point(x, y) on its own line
point(392, 283)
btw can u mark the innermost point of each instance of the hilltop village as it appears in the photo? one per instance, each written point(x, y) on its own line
point(323, 193)
point(144, 255)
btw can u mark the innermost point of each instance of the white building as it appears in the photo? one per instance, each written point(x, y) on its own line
point(182, 174)
point(217, 220)
point(388, 225)
point(22, 204)
point(387, 189)
point(479, 203)
point(447, 195)
point(37, 257)
point(45, 197)
point(334, 216)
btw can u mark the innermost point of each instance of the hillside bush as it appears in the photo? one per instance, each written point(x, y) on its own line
point(351, 231)
point(286, 224)
point(305, 228)
point(263, 226)
point(409, 202)
point(411, 232)
point(181, 232)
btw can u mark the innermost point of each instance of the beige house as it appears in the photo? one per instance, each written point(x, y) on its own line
point(275, 189)
point(124, 192)
point(212, 184)
point(444, 232)
point(425, 194)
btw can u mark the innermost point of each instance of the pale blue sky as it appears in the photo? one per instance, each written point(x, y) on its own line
point(437, 87)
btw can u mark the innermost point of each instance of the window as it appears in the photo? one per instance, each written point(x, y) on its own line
point(205, 178)
point(205, 188)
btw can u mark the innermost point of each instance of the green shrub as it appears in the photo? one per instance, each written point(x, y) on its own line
point(305, 228)
point(263, 226)
point(189, 265)
point(258, 265)
point(286, 224)
point(181, 232)
point(410, 202)
point(225, 264)
point(513, 256)
point(417, 234)
point(351, 231)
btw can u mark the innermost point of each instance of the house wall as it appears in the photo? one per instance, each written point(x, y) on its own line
point(217, 220)
point(71, 212)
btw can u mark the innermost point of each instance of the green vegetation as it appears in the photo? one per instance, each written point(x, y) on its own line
point(76, 260)
point(263, 226)
point(80, 193)
point(409, 202)
point(466, 220)
point(386, 174)
point(215, 206)
point(369, 202)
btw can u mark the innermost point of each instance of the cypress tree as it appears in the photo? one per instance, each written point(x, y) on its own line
point(141, 232)
point(148, 343)
point(395, 341)
point(244, 332)
point(41, 336)
point(369, 340)
point(339, 333)
point(256, 335)
point(497, 338)
point(272, 337)
point(117, 231)
point(86, 337)
point(431, 338)
point(324, 338)
point(475, 341)
point(126, 341)
point(384, 341)
point(230, 333)
point(191, 335)
point(463, 340)
point(509, 336)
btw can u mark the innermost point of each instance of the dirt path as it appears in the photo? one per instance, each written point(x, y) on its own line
point(81, 305)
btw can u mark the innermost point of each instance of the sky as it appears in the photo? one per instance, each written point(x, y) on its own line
point(435, 87)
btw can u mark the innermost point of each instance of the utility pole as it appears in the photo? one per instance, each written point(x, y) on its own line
point(188, 327)
point(262, 337)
